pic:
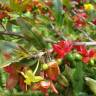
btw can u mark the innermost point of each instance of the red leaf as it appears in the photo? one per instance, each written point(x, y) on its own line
point(13, 68)
point(7, 55)
point(22, 84)
point(53, 71)
point(11, 81)
point(9, 69)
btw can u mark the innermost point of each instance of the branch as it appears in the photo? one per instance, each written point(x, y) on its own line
point(58, 32)
point(51, 50)
point(48, 40)
point(86, 34)
point(91, 43)
point(12, 34)
point(85, 43)
point(40, 54)
point(3, 26)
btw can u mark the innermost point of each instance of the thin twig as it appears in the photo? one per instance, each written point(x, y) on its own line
point(86, 34)
point(3, 27)
point(57, 31)
point(12, 34)
point(48, 40)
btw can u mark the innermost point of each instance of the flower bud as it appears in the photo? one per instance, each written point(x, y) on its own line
point(45, 66)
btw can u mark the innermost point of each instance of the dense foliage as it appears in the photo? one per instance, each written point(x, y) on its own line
point(47, 48)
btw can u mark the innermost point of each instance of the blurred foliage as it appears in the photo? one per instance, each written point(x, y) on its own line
point(28, 29)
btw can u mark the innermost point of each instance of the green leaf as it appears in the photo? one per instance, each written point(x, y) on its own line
point(63, 80)
point(9, 27)
point(5, 2)
point(94, 1)
point(91, 83)
point(10, 48)
point(77, 78)
point(25, 2)
point(37, 79)
point(57, 5)
point(34, 37)
point(68, 72)
point(15, 6)
point(58, 12)
point(19, 8)
point(6, 47)
point(66, 3)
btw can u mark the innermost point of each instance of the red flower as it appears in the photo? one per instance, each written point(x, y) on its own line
point(90, 54)
point(14, 76)
point(43, 86)
point(79, 23)
point(84, 15)
point(87, 54)
point(81, 49)
point(62, 48)
point(78, 19)
point(53, 70)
